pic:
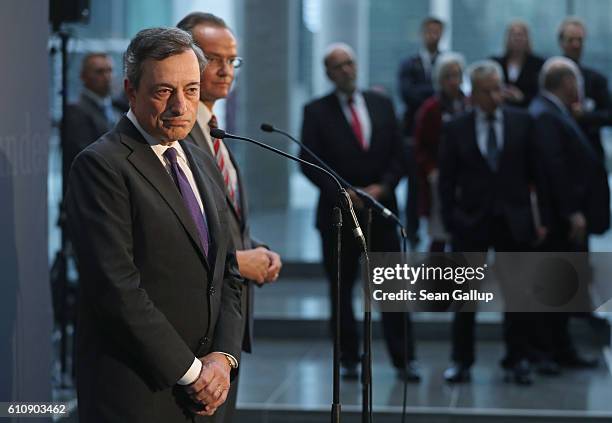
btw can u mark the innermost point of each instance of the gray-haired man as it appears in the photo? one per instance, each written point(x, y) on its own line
point(487, 163)
point(159, 313)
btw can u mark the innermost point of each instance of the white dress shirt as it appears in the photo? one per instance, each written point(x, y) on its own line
point(196, 366)
point(361, 109)
point(159, 151)
point(514, 72)
point(427, 59)
point(482, 130)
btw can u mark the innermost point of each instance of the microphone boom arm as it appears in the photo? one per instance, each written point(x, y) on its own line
point(346, 202)
point(372, 202)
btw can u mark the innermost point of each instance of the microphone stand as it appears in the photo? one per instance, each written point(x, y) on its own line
point(372, 205)
point(336, 406)
point(366, 360)
point(348, 207)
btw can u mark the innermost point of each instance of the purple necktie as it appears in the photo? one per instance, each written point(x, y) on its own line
point(189, 198)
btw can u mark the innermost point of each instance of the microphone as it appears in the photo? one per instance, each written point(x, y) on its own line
point(346, 198)
point(375, 204)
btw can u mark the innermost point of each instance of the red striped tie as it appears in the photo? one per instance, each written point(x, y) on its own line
point(224, 167)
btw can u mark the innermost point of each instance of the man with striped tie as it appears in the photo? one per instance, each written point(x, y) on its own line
point(257, 263)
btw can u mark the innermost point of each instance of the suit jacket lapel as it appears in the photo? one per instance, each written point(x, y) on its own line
point(507, 134)
point(146, 162)
point(371, 114)
point(244, 212)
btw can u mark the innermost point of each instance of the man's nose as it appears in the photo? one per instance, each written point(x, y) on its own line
point(178, 103)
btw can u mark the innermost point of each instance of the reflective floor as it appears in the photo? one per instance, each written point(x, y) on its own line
point(299, 374)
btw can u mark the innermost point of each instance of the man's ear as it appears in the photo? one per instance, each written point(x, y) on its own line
point(130, 91)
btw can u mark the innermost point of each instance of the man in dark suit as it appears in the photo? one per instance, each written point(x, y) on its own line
point(258, 264)
point(356, 133)
point(577, 193)
point(415, 71)
point(95, 113)
point(594, 110)
point(416, 87)
point(159, 309)
point(486, 166)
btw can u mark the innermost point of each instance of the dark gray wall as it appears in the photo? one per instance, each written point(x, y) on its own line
point(25, 311)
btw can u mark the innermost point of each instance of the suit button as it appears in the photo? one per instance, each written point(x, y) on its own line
point(211, 291)
point(204, 340)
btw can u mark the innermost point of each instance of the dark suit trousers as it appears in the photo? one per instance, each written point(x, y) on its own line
point(383, 238)
point(552, 338)
point(516, 325)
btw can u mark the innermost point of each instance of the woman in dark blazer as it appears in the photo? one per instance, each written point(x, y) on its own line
point(447, 102)
point(521, 67)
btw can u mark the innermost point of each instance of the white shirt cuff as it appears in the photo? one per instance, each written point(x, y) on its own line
point(192, 374)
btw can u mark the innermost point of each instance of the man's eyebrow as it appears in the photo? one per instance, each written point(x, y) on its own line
point(164, 85)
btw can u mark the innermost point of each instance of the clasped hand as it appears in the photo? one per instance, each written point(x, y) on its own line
point(210, 389)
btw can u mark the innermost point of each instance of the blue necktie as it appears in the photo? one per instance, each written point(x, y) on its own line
point(189, 198)
point(492, 148)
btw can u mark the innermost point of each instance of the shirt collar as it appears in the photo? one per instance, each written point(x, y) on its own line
point(344, 98)
point(482, 116)
point(100, 101)
point(426, 56)
point(204, 115)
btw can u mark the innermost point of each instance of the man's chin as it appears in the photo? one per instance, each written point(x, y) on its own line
point(176, 134)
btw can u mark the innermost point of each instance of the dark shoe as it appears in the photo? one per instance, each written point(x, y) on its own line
point(548, 367)
point(596, 322)
point(577, 361)
point(410, 373)
point(349, 371)
point(519, 374)
point(457, 373)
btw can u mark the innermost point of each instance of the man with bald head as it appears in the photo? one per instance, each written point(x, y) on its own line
point(94, 113)
point(356, 133)
point(577, 196)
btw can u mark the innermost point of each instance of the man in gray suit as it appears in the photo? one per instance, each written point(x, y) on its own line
point(159, 330)
point(258, 264)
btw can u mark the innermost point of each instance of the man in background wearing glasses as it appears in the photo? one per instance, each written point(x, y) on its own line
point(257, 264)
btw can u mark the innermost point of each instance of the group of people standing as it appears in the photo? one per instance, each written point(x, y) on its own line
point(158, 215)
point(515, 166)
